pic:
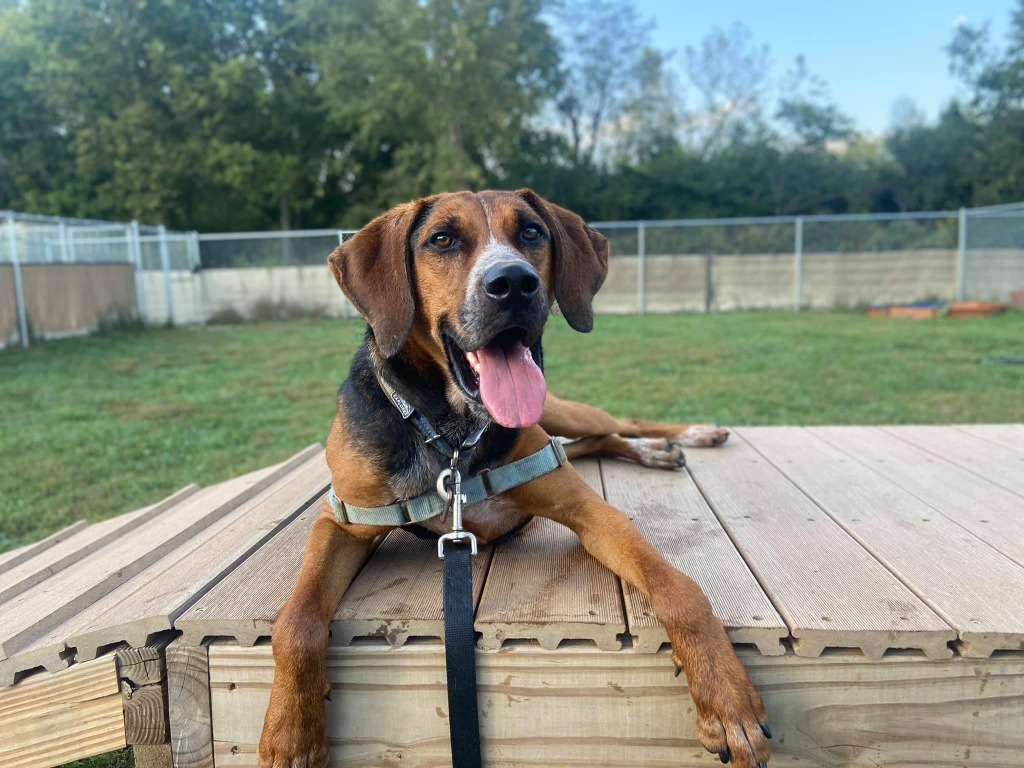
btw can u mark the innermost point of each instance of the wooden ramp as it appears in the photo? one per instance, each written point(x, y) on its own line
point(873, 579)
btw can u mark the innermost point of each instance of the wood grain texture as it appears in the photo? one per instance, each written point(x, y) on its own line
point(188, 703)
point(151, 601)
point(828, 589)
point(36, 611)
point(1009, 436)
point(49, 719)
point(993, 462)
point(544, 586)
point(17, 556)
point(990, 512)
point(669, 511)
point(142, 675)
point(398, 593)
point(245, 602)
point(584, 707)
point(72, 549)
point(977, 590)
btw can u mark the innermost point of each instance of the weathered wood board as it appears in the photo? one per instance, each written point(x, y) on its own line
point(17, 556)
point(829, 590)
point(582, 706)
point(993, 462)
point(1007, 435)
point(544, 586)
point(49, 719)
point(669, 511)
point(990, 512)
point(977, 590)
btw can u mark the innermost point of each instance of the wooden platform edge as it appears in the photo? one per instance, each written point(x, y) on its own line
point(188, 706)
point(18, 556)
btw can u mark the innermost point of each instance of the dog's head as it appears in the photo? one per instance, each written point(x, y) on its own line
point(464, 282)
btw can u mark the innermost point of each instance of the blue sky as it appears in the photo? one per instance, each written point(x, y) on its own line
point(870, 53)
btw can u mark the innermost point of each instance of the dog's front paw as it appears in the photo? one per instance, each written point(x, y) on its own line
point(701, 436)
point(657, 452)
point(731, 719)
point(294, 735)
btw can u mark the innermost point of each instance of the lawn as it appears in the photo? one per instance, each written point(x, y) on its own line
point(97, 426)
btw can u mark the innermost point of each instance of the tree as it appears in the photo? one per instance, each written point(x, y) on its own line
point(806, 108)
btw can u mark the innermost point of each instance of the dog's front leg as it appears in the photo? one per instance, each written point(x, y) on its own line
point(731, 719)
point(293, 729)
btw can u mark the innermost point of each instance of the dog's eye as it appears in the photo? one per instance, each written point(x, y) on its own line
point(530, 234)
point(442, 240)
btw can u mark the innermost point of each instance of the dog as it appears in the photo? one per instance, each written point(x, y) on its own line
point(456, 290)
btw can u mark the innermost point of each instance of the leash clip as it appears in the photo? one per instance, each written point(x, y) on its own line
point(449, 487)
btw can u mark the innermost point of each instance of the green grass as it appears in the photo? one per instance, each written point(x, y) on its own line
point(97, 426)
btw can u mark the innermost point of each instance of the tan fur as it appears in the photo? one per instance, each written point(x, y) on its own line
point(728, 708)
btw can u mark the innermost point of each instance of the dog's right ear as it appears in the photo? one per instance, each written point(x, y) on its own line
point(372, 270)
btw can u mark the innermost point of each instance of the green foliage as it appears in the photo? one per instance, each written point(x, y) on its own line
point(255, 114)
point(148, 412)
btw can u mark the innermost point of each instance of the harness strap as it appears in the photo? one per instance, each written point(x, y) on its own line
point(476, 488)
point(460, 656)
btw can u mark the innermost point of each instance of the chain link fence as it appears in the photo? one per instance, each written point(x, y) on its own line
point(689, 265)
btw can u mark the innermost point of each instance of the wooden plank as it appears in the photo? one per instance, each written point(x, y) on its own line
point(989, 511)
point(993, 462)
point(543, 586)
point(142, 676)
point(188, 703)
point(1009, 436)
point(398, 593)
point(72, 549)
point(17, 556)
point(828, 589)
point(669, 511)
point(977, 590)
point(245, 602)
point(586, 707)
point(49, 719)
point(39, 609)
point(151, 601)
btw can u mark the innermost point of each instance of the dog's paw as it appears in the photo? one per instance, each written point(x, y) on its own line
point(701, 436)
point(731, 720)
point(657, 452)
point(294, 736)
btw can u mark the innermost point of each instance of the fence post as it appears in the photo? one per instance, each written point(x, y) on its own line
point(62, 240)
point(165, 265)
point(961, 255)
point(641, 267)
point(344, 299)
point(709, 282)
point(798, 265)
point(135, 248)
point(19, 295)
point(195, 260)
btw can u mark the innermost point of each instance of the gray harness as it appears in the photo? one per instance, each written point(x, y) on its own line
point(485, 484)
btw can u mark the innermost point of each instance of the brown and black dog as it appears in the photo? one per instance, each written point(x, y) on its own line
point(456, 290)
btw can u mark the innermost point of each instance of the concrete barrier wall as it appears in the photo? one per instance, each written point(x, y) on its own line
point(674, 284)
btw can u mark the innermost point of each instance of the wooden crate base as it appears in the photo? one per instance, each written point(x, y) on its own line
point(581, 706)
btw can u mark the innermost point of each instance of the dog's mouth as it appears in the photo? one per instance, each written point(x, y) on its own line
point(504, 375)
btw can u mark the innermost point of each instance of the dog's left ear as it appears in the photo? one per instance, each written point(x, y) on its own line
point(372, 269)
point(581, 260)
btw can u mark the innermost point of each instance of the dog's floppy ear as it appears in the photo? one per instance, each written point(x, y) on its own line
point(581, 260)
point(372, 269)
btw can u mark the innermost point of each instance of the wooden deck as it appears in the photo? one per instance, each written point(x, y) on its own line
point(872, 577)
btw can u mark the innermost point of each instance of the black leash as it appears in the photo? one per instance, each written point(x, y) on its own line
point(460, 655)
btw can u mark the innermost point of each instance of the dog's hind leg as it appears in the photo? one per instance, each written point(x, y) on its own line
point(294, 728)
point(566, 418)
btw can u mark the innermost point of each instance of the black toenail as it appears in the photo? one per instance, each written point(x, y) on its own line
point(766, 730)
point(724, 755)
point(678, 670)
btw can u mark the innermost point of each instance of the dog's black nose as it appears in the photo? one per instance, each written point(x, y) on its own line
point(514, 282)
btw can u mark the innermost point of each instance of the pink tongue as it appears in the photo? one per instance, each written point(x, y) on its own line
point(512, 387)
